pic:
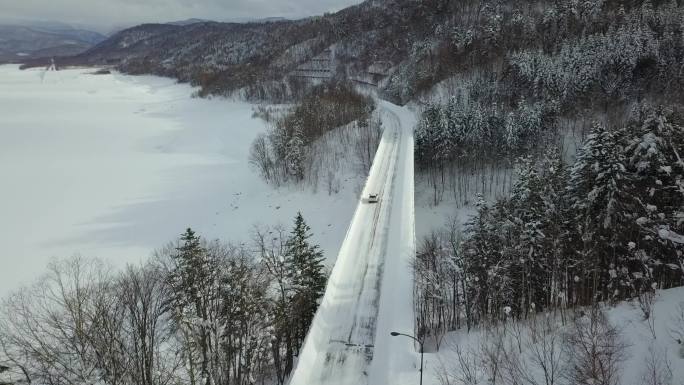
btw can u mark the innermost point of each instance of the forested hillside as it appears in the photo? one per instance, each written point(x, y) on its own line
point(581, 103)
point(606, 228)
point(561, 50)
point(529, 76)
point(365, 41)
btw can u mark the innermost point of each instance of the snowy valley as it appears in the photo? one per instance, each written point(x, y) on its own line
point(443, 192)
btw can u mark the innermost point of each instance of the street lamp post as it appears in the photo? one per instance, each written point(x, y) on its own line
point(394, 334)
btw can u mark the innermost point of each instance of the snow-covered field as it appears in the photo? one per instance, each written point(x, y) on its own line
point(114, 166)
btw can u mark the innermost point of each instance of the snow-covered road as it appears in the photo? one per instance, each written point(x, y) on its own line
point(369, 292)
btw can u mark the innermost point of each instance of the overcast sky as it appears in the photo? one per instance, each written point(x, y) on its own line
point(110, 14)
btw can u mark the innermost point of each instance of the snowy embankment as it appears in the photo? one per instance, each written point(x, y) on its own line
point(114, 166)
point(651, 345)
point(370, 289)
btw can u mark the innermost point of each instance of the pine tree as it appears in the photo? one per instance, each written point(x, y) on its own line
point(599, 191)
point(426, 134)
point(187, 273)
point(307, 273)
point(526, 235)
point(278, 138)
point(480, 260)
point(555, 218)
point(192, 281)
point(655, 161)
point(294, 156)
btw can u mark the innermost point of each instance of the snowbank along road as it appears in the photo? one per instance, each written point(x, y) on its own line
point(369, 292)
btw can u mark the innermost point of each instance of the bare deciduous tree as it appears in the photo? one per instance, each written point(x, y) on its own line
point(533, 352)
point(545, 348)
point(260, 157)
point(595, 350)
point(493, 354)
point(658, 368)
point(51, 327)
point(149, 340)
point(466, 371)
point(677, 327)
point(646, 299)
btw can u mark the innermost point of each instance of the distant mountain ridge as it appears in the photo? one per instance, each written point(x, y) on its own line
point(21, 42)
point(188, 21)
point(404, 48)
point(269, 60)
point(237, 20)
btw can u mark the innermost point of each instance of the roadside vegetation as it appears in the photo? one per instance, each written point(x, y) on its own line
point(200, 312)
point(605, 229)
point(302, 142)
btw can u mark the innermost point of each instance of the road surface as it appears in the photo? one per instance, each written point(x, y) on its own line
point(369, 292)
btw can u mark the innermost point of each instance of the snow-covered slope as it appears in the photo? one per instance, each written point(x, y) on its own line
point(646, 342)
point(369, 291)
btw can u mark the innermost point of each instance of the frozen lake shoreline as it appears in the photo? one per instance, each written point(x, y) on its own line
point(114, 166)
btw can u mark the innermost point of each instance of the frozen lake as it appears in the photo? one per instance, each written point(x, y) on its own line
point(114, 166)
